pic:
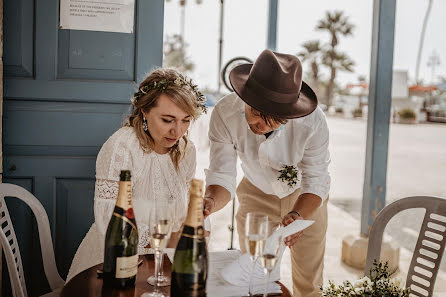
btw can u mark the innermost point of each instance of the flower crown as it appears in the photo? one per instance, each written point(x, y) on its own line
point(163, 84)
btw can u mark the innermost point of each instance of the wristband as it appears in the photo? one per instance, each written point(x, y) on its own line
point(294, 211)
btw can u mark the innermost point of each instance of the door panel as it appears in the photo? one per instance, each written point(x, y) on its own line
point(18, 55)
point(73, 217)
point(60, 124)
point(65, 93)
point(96, 55)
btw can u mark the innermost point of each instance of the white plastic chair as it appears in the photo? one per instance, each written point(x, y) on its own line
point(11, 249)
point(430, 246)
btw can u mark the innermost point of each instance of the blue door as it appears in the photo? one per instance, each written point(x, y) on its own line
point(65, 93)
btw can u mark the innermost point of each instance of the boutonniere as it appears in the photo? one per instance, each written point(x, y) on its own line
point(289, 174)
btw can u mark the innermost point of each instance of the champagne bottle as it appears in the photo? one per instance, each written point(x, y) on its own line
point(121, 239)
point(190, 264)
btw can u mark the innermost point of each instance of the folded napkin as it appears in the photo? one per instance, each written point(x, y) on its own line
point(238, 272)
point(170, 252)
point(219, 287)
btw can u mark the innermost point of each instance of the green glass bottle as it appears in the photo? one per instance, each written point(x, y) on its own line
point(190, 263)
point(121, 239)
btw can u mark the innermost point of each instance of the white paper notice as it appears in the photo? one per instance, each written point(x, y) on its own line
point(97, 15)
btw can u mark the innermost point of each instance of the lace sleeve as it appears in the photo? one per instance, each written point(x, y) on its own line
point(112, 158)
point(105, 192)
point(116, 154)
point(190, 162)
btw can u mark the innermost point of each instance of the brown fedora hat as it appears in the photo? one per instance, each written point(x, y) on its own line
point(273, 85)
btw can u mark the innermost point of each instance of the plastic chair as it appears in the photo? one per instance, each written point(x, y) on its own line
point(10, 246)
point(430, 246)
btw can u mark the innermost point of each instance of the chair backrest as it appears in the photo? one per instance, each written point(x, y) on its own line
point(430, 245)
point(10, 246)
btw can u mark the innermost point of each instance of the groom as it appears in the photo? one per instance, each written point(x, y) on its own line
point(272, 123)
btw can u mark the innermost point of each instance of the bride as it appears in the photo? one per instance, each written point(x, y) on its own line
point(153, 144)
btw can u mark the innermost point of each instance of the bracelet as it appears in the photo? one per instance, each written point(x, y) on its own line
point(294, 211)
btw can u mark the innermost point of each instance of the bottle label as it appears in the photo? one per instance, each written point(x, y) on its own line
point(124, 199)
point(126, 266)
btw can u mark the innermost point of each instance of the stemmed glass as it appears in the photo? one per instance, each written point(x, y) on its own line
point(255, 233)
point(271, 251)
point(159, 229)
point(169, 210)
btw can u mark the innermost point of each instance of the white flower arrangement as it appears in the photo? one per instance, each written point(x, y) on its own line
point(378, 283)
point(289, 175)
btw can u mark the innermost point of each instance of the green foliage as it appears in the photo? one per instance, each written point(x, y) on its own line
point(336, 24)
point(289, 174)
point(357, 112)
point(175, 54)
point(378, 283)
point(311, 53)
point(163, 84)
point(407, 114)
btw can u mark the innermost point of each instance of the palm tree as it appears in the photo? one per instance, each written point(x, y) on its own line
point(336, 61)
point(336, 24)
point(420, 47)
point(312, 53)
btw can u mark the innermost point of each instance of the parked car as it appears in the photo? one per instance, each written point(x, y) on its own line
point(436, 113)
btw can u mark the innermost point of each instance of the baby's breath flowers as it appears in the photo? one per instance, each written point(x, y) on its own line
point(163, 84)
point(289, 174)
point(378, 283)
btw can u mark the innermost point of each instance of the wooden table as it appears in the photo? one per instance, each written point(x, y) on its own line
point(87, 283)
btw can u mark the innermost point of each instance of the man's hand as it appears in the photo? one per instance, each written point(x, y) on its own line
point(215, 198)
point(307, 204)
point(288, 219)
point(208, 206)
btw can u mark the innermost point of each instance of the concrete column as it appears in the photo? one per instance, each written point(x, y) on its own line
point(354, 247)
point(272, 24)
point(1, 114)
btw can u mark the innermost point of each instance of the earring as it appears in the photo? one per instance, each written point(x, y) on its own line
point(144, 125)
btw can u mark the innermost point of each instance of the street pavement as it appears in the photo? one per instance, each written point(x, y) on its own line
point(416, 166)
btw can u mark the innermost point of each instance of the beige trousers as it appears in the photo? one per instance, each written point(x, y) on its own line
point(307, 255)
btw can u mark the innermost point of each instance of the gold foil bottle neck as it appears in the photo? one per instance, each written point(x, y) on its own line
point(196, 188)
point(195, 209)
point(124, 199)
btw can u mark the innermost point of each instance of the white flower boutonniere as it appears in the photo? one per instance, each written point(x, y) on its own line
point(289, 174)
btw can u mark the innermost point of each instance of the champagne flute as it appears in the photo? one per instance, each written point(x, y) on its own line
point(271, 252)
point(255, 236)
point(159, 229)
point(168, 211)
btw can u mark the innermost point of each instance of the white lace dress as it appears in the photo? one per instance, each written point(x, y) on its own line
point(153, 177)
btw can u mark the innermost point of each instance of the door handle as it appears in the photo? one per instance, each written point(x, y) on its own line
point(10, 169)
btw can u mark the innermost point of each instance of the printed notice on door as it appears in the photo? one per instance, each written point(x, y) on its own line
point(97, 15)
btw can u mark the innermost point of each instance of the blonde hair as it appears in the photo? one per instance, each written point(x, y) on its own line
point(182, 95)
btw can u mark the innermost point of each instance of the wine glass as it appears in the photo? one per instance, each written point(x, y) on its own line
point(159, 229)
point(271, 251)
point(255, 235)
point(168, 210)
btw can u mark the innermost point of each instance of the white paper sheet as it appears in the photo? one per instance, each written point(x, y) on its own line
point(106, 15)
point(238, 271)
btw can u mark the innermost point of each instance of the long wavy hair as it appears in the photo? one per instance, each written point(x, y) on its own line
point(183, 96)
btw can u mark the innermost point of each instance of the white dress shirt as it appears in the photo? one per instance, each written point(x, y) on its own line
point(301, 142)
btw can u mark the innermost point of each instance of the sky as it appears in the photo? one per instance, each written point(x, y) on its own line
point(245, 33)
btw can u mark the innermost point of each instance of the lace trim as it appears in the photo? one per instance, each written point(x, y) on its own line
point(106, 189)
point(144, 237)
